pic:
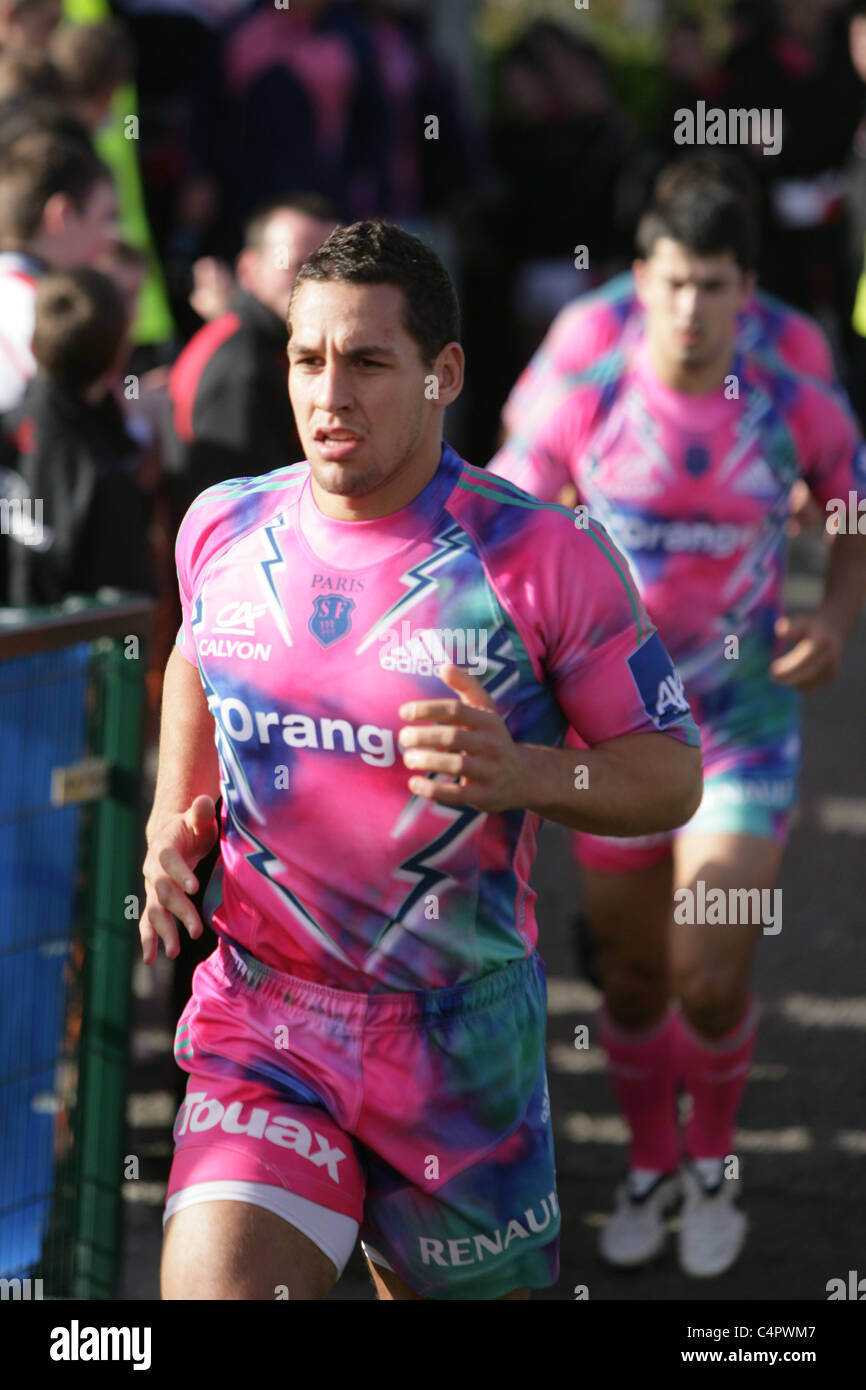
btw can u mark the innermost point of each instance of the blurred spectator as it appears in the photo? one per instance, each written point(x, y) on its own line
point(692, 74)
point(801, 66)
point(93, 61)
point(27, 72)
point(116, 137)
point(57, 210)
point(33, 98)
point(428, 167)
point(27, 115)
point(856, 192)
point(751, 25)
point(212, 287)
point(141, 396)
point(230, 409)
point(142, 399)
point(68, 442)
point(288, 100)
point(854, 325)
point(127, 266)
point(559, 148)
point(689, 65)
point(28, 24)
point(168, 37)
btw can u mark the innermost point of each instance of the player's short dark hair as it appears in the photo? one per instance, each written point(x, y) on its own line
point(380, 253)
point(708, 219)
point(313, 205)
point(35, 168)
point(722, 167)
point(80, 320)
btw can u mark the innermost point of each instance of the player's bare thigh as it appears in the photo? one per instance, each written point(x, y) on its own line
point(391, 1289)
point(710, 961)
point(234, 1250)
point(629, 913)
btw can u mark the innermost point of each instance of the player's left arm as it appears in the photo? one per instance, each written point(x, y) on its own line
point(637, 769)
point(835, 472)
point(637, 784)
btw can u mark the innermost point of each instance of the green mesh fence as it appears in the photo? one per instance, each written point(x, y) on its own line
point(72, 700)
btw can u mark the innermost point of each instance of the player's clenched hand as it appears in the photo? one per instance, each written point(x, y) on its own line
point(172, 855)
point(463, 738)
point(813, 659)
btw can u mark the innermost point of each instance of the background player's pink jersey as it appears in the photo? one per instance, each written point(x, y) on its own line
point(310, 633)
point(694, 491)
point(612, 318)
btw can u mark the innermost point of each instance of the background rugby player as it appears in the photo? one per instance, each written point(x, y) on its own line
point(687, 451)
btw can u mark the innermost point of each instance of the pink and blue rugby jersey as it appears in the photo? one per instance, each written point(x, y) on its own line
point(310, 633)
point(694, 491)
point(612, 318)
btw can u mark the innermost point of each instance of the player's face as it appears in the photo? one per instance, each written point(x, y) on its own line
point(367, 407)
point(691, 303)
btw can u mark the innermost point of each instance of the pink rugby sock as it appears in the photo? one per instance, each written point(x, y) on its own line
point(714, 1072)
point(642, 1071)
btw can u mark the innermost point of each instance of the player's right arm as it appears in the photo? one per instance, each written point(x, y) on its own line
point(182, 827)
point(585, 330)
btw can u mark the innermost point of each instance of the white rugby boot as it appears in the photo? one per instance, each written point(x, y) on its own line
point(637, 1233)
point(712, 1229)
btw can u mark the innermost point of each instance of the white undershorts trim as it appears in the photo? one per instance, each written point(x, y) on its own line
point(333, 1233)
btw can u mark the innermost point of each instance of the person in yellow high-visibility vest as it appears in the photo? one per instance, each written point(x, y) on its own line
point(116, 143)
point(858, 317)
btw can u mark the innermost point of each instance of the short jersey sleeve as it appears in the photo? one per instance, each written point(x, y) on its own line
point(608, 667)
point(183, 554)
point(543, 459)
point(216, 518)
point(580, 334)
point(833, 454)
point(805, 346)
point(599, 651)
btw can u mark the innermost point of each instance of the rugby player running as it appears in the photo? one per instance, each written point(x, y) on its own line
point(366, 1044)
point(687, 451)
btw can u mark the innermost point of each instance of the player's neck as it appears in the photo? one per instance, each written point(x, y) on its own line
point(391, 495)
point(690, 379)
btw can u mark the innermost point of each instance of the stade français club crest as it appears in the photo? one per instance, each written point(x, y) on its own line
point(697, 460)
point(331, 619)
